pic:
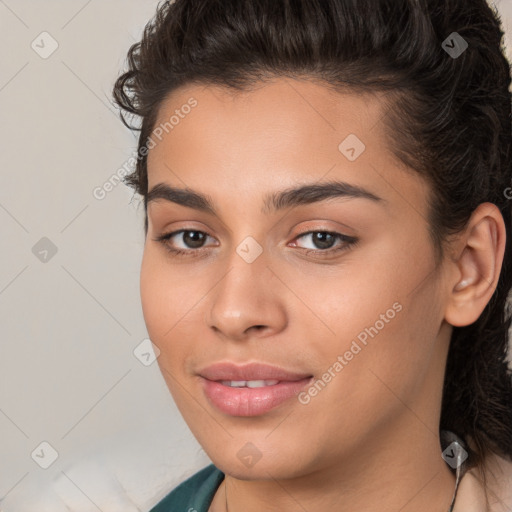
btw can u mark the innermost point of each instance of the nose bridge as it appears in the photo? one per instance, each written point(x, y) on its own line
point(243, 298)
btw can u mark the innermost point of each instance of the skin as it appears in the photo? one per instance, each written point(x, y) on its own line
point(374, 427)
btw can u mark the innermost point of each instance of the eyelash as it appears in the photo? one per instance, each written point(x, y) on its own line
point(349, 242)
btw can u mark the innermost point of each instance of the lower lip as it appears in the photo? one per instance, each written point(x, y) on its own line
point(251, 401)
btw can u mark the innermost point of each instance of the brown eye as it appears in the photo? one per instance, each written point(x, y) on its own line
point(192, 242)
point(193, 239)
point(324, 241)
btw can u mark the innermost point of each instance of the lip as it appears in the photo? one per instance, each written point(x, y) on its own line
point(251, 371)
point(250, 401)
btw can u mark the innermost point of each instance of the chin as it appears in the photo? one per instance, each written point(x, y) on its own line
point(262, 466)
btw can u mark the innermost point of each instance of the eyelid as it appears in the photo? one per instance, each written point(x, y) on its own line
point(347, 242)
point(301, 233)
point(167, 235)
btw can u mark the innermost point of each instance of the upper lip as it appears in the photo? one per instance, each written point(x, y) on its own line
point(250, 371)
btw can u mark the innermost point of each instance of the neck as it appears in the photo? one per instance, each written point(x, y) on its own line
point(401, 469)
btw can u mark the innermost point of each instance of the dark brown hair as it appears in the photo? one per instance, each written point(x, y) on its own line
point(448, 118)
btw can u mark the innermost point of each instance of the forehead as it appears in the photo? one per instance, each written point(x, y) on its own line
point(282, 105)
point(276, 133)
point(284, 118)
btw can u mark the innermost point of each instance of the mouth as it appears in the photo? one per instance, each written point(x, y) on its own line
point(253, 372)
point(248, 383)
point(251, 397)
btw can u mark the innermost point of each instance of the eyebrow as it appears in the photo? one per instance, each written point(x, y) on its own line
point(273, 202)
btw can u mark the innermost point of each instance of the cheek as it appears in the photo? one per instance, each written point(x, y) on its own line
point(161, 307)
point(172, 310)
point(163, 302)
point(152, 292)
point(382, 318)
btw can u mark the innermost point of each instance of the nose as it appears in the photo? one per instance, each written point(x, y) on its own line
point(245, 302)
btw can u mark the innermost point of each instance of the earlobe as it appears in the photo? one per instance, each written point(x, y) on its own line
point(478, 268)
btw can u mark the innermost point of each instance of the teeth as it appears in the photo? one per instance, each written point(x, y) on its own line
point(248, 383)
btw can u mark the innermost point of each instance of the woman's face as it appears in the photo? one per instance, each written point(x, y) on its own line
point(338, 288)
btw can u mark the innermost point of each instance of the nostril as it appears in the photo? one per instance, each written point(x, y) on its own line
point(258, 327)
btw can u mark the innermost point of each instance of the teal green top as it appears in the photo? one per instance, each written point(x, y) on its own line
point(194, 494)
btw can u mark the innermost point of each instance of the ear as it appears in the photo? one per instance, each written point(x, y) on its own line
point(475, 272)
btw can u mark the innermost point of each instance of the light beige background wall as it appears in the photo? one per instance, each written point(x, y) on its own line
point(70, 315)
